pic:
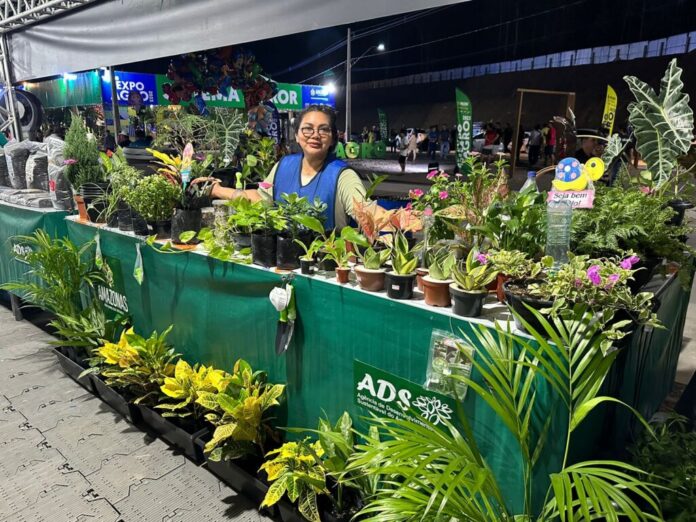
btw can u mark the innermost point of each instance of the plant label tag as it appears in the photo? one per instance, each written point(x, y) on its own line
point(576, 198)
point(396, 287)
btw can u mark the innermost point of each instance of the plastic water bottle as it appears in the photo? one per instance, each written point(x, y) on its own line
point(530, 182)
point(559, 216)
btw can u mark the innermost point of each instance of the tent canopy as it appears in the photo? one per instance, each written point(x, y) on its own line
point(122, 31)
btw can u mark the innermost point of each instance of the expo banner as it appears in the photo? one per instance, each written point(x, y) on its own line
point(317, 95)
point(133, 89)
point(609, 110)
point(464, 126)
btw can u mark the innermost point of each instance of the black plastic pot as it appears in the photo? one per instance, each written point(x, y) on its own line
point(73, 365)
point(307, 266)
point(239, 479)
point(112, 220)
point(174, 434)
point(242, 240)
point(399, 286)
point(94, 197)
point(114, 399)
point(680, 207)
point(326, 265)
point(517, 303)
point(185, 220)
point(125, 217)
point(467, 304)
point(263, 249)
point(645, 270)
point(163, 229)
point(288, 253)
point(139, 225)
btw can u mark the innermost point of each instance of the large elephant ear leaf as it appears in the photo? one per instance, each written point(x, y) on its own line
point(663, 123)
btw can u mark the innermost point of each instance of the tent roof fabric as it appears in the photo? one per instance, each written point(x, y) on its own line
point(121, 31)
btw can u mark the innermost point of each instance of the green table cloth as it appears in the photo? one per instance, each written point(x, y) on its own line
point(221, 312)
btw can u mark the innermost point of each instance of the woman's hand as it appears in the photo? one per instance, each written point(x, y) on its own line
point(208, 179)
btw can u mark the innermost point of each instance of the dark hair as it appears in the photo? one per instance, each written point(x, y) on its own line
point(326, 109)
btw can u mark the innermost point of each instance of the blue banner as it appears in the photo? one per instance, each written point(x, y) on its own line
point(132, 89)
point(317, 94)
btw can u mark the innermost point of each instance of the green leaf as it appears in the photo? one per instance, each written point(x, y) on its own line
point(276, 491)
point(308, 507)
point(187, 236)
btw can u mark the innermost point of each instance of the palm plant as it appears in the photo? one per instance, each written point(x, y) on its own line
point(437, 474)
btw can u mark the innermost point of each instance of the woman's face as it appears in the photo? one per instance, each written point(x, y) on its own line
point(315, 137)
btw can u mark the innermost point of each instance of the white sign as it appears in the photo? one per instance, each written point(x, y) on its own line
point(577, 199)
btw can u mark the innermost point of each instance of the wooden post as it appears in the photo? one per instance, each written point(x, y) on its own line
point(516, 131)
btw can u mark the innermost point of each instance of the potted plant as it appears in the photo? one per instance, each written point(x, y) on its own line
point(510, 264)
point(266, 223)
point(336, 250)
point(371, 273)
point(296, 235)
point(83, 169)
point(399, 281)
point(124, 179)
point(307, 259)
point(154, 199)
point(436, 283)
point(470, 280)
point(241, 220)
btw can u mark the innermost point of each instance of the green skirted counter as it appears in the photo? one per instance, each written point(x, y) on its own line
point(17, 220)
point(221, 312)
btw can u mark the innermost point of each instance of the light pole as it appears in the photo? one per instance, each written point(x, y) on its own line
point(350, 62)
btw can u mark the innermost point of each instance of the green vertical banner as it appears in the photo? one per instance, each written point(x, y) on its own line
point(464, 126)
point(383, 125)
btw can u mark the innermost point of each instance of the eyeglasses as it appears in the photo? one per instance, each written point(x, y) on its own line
point(324, 131)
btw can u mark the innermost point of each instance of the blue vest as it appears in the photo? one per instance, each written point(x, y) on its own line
point(288, 179)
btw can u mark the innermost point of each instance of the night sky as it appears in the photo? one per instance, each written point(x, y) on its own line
point(474, 32)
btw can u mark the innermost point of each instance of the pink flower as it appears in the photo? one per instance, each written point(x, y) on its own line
point(69, 161)
point(482, 258)
point(415, 193)
point(646, 190)
point(431, 174)
point(443, 175)
point(628, 263)
point(409, 206)
point(578, 283)
point(428, 211)
point(593, 275)
point(443, 194)
point(611, 281)
point(459, 175)
point(265, 185)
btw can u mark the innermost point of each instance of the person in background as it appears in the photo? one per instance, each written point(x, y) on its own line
point(364, 135)
point(432, 141)
point(109, 141)
point(507, 137)
point(534, 145)
point(549, 133)
point(413, 145)
point(444, 142)
point(490, 138)
point(123, 140)
point(313, 173)
point(371, 136)
point(589, 148)
point(403, 150)
point(142, 140)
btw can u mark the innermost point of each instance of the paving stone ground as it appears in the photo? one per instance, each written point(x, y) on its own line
point(65, 456)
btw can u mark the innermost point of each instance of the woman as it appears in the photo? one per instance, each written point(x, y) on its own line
point(413, 145)
point(315, 172)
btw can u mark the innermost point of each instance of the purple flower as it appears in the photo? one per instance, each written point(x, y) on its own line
point(593, 275)
point(482, 258)
point(611, 281)
point(628, 263)
point(443, 194)
point(69, 161)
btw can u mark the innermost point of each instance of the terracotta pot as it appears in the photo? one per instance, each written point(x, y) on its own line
point(420, 272)
point(81, 208)
point(436, 291)
point(499, 281)
point(342, 275)
point(370, 279)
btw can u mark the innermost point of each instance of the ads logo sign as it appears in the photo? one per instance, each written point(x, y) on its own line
point(388, 395)
point(20, 251)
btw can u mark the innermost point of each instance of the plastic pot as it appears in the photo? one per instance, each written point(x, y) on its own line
point(466, 304)
point(163, 229)
point(139, 225)
point(73, 365)
point(185, 220)
point(125, 218)
point(436, 292)
point(307, 266)
point(326, 265)
point(288, 253)
point(263, 249)
point(342, 275)
point(517, 302)
point(680, 207)
point(81, 207)
point(242, 240)
point(420, 272)
point(370, 279)
point(114, 399)
point(112, 220)
point(399, 286)
point(239, 479)
point(93, 196)
point(174, 434)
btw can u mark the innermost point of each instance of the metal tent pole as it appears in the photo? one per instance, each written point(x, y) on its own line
point(114, 104)
point(9, 111)
point(348, 87)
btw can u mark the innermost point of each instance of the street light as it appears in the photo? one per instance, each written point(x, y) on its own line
point(330, 87)
point(350, 62)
